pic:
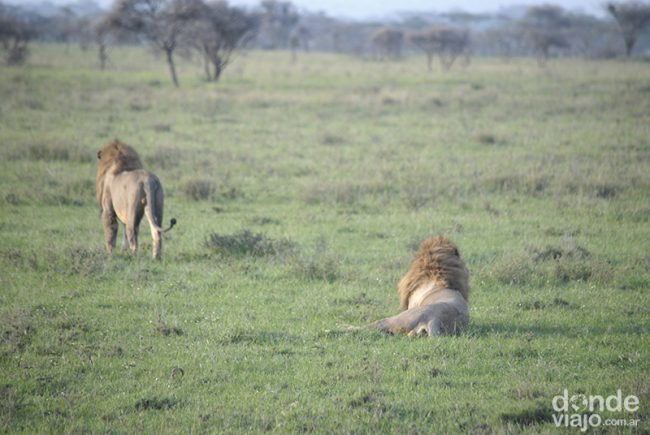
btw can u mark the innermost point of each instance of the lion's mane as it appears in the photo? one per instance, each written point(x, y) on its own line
point(437, 262)
point(433, 294)
point(126, 193)
point(115, 157)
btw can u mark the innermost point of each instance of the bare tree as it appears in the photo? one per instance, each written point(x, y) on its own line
point(505, 40)
point(68, 25)
point(543, 42)
point(102, 31)
point(159, 22)
point(14, 37)
point(351, 38)
point(278, 19)
point(632, 18)
point(427, 41)
point(220, 30)
point(546, 27)
point(447, 42)
point(84, 32)
point(388, 43)
point(299, 39)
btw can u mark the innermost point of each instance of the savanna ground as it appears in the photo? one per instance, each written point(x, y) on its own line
point(301, 192)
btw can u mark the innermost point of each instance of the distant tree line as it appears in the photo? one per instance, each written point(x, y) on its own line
point(542, 31)
point(214, 31)
point(632, 17)
point(14, 37)
point(447, 42)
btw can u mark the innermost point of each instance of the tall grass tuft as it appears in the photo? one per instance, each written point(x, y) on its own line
point(247, 243)
point(554, 264)
point(319, 264)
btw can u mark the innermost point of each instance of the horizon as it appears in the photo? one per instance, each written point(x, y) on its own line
point(369, 10)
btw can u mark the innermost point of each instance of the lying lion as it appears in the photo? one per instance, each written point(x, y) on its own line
point(433, 294)
point(126, 192)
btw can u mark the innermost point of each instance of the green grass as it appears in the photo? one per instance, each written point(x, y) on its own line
point(301, 191)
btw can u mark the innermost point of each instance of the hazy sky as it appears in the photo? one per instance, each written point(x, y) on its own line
point(378, 8)
point(360, 9)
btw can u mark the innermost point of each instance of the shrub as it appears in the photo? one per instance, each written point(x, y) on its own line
point(319, 264)
point(248, 243)
point(488, 139)
point(165, 157)
point(59, 151)
point(198, 189)
point(553, 264)
point(332, 139)
point(203, 189)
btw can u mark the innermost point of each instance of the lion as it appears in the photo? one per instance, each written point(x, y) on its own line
point(433, 294)
point(126, 192)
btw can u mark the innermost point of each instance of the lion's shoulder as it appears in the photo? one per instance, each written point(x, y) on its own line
point(114, 158)
point(437, 263)
point(118, 156)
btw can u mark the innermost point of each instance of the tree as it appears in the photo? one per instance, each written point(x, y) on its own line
point(546, 27)
point(278, 19)
point(102, 31)
point(543, 42)
point(159, 22)
point(220, 30)
point(447, 42)
point(505, 40)
point(388, 43)
point(632, 18)
point(351, 38)
point(14, 37)
point(68, 25)
point(299, 38)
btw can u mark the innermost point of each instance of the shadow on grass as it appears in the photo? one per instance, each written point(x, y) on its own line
point(484, 329)
point(155, 403)
point(537, 414)
point(258, 337)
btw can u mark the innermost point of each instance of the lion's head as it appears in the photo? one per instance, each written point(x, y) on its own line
point(115, 157)
point(437, 262)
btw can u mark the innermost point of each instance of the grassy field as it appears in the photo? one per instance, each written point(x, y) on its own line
point(301, 191)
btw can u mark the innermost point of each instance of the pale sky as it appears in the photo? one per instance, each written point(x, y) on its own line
point(364, 9)
point(377, 8)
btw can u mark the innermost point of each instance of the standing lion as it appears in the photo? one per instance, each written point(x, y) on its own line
point(126, 192)
point(433, 294)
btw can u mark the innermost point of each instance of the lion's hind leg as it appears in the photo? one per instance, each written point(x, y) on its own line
point(429, 328)
point(125, 239)
point(405, 322)
point(132, 226)
point(153, 210)
point(157, 242)
point(429, 320)
point(131, 234)
point(109, 222)
point(156, 231)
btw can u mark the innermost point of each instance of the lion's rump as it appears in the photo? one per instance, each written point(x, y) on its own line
point(114, 157)
point(126, 192)
point(433, 293)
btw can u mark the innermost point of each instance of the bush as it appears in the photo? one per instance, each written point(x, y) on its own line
point(204, 189)
point(553, 264)
point(319, 265)
point(248, 243)
point(198, 189)
point(165, 157)
point(59, 151)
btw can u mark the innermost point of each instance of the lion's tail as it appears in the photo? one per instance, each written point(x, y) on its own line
point(154, 198)
point(172, 222)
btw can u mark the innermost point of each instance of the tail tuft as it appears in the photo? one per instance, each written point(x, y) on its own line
point(172, 222)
